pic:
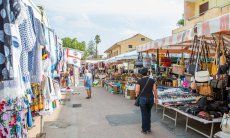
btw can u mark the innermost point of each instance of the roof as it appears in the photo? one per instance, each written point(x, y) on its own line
point(119, 43)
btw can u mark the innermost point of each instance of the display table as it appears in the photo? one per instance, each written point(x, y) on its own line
point(222, 135)
point(189, 116)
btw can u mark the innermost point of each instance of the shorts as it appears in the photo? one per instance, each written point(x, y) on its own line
point(88, 87)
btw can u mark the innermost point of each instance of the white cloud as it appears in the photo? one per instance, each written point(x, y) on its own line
point(82, 22)
point(114, 20)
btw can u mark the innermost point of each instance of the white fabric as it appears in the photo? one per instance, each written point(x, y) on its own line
point(225, 123)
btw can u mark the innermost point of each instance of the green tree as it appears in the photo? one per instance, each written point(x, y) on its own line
point(75, 44)
point(181, 21)
point(97, 40)
point(91, 48)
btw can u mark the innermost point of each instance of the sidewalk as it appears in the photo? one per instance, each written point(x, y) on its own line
point(106, 115)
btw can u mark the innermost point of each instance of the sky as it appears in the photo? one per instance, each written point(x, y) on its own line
point(113, 20)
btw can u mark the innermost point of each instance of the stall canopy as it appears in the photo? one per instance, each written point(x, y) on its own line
point(126, 56)
point(183, 40)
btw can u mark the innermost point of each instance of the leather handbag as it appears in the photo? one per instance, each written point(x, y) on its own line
point(137, 102)
point(139, 61)
point(206, 90)
point(220, 84)
point(214, 70)
point(223, 69)
point(225, 123)
point(166, 61)
point(223, 59)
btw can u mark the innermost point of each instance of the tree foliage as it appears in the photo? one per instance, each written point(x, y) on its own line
point(91, 48)
point(75, 44)
point(97, 40)
point(180, 22)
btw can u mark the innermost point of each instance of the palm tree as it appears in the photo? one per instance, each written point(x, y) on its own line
point(97, 40)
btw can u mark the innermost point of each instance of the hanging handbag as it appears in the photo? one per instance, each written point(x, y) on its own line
point(147, 61)
point(214, 70)
point(179, 68)
point(166, 61)
point(206, 90)
point(223, 59)
point(139, 61)
point(219, 84)
point(192, 65)
point(137, 102)
point(223, 68)
point(225, 123)
point(201, 76)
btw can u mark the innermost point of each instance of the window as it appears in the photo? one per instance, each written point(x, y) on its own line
point(130, 46)
point(203, 8)
point(142, 39)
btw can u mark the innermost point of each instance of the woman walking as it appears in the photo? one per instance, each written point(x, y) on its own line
point(145, 88)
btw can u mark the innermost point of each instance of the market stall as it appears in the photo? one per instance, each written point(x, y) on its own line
point(203, 77)
point(30, 55)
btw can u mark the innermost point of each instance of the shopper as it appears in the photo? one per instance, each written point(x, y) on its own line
point(88, 83)
point(145, 88)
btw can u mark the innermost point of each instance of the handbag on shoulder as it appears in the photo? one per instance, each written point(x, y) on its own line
point(137, 102)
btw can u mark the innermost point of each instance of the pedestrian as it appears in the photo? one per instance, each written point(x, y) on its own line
point(88, 83)
point(145, 88)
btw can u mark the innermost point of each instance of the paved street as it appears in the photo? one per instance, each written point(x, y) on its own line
point(105, 115)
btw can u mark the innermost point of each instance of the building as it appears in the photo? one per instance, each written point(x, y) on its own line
point(127, 45)
point(196, 11)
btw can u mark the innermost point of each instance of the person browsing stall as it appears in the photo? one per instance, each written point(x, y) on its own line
point(145, 88)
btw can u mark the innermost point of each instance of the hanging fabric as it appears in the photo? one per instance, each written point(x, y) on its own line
point(10, 10)
point(35, 56)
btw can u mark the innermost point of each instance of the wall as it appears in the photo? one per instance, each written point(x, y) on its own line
point(123, 46)
point(189, 9)
point(212, 4)
point(135, 41)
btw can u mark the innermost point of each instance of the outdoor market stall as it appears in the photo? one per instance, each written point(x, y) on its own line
point(205, 74)
point(30, 55)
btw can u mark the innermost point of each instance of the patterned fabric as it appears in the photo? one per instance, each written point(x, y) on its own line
point(35, 56)
point(10, 10)
point(12, 118)
point(28, 40)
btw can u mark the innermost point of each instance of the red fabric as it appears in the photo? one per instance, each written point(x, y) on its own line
point(224, 23)
point(205, 28)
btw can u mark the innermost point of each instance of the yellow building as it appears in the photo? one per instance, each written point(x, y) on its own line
point(196, 11)
point(127, 45)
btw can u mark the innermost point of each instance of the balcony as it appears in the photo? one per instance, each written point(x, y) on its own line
point(211, 13)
